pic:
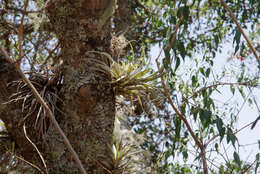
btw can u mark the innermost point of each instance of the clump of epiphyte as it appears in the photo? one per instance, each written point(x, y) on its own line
point(132, 79)
point(48, 88)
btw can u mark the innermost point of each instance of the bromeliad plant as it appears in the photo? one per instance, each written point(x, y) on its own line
point(132, 79)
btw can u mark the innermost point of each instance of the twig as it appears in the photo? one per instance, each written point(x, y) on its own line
point(247, 83)
point(43, 161)
point(250, 166)
point(173, 37)
point(241, 30)
point(101, 165)
point(235, 132)
point(20, 33)
point(49, 112)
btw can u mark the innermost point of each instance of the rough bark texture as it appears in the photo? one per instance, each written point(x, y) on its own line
point(89, 102)
point(12, 114)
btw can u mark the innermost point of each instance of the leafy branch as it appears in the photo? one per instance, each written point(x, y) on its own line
point(247, 83)
point(241, 30)
point(181, 116)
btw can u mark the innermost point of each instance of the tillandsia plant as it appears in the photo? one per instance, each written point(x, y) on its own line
point(121, 158)
point(48, 87)
point(133, 79)
point(125, 152)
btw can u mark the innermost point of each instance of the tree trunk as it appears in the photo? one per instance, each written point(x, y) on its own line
point(88, 111)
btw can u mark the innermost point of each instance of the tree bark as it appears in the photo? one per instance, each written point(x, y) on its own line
point(12, 115)
point(88, 111)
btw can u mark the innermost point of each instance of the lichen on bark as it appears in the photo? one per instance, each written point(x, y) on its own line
point(89, 102)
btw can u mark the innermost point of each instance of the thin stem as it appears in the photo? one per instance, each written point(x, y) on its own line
point(20, 33)
point(49, 112)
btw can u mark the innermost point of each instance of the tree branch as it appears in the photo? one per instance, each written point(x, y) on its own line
point(20, 33)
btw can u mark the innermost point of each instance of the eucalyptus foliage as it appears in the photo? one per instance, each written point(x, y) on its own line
point(194, 79)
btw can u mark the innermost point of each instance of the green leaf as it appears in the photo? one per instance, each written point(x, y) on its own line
point(177, 124)
point(216, 39)
point(186, 12)
point(211, 103)
point(167, 53)
point(240, 89)
point(202, 71)
point(183, 107)
point(177, 63)
point(207, 72)
point(185, 154)
point(216, 146)
point(231, 137)
point(167, 154)
point(237, 39)
point(179, 12)
point(205, 117)
point(194, 80)
point(257, 158)
point(181, 48)
point(232, 89)
point(237, 159)
point(220, 128)
point(256, 167)
point(173, 19)
point(194, 112)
